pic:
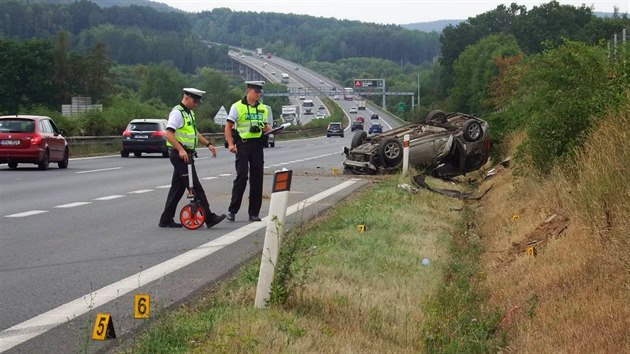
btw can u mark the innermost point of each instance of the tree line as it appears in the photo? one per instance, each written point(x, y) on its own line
point(489, 64)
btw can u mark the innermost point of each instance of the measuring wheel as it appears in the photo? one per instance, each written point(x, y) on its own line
point(192, 216)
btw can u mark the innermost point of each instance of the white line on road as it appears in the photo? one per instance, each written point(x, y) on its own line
point(140, 191)
point(100, 170)
point(40, 324)
point(208, 178)
point(164, 186)
point(72, 205)
point(110, 197)
point(26, 213)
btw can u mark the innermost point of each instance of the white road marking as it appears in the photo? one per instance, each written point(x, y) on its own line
point(163, 186)
point(72, 205)
point(110, 197)
point(225, 174)
point(140, 191)
point(100, 170)
point(208, 178)
point(26, 213)
point(42, 323)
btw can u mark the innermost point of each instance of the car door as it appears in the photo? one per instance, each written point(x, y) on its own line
point(54, 140)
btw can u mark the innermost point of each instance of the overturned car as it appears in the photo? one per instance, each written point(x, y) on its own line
point(446, 144)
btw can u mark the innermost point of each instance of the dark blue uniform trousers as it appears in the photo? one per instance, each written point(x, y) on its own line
point(249, 158)
point(179, 184)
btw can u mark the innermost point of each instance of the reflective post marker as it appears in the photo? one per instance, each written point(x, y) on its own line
point(405, 169)
point(273, 235)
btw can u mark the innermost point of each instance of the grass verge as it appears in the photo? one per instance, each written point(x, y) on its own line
point(341, 290)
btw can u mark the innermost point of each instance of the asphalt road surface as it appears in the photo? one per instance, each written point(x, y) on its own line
point(85, 239)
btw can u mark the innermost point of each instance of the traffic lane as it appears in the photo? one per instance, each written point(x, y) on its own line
point(112, 177)
point(30, 190)
point(111, 235)
point(233, 256)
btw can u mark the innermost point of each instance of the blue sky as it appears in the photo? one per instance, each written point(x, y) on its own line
point(381, 11)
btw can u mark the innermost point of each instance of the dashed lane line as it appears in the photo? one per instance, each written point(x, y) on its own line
point(72, 205)
point(26, 213)
point(110, 197)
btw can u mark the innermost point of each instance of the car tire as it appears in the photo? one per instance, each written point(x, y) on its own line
point(124, 153)
point(137, 154)
point(472, 131)
point(165, 154)
point(436, 116)
point(13, 165)
point(342, 135)
point(64, 162)
point(358, 139)
point(391, 151)
point(272, 144)
point(45, 161)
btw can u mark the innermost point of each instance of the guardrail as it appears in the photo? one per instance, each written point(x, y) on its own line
point(81, 145)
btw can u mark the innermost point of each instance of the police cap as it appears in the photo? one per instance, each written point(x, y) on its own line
point(255, 84)
point(194, 93)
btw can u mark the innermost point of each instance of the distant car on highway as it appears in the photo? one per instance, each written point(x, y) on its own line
point(375, 128)
point(353, 110)
point(336, 97)
point(145, 135)
point(374, 116)
point(32, 139)
point(320, 115)
point(273, 72)
point(334, 128)
point(356, 125)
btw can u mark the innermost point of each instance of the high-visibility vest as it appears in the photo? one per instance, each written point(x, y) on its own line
point(187, 133)
point(248, 117)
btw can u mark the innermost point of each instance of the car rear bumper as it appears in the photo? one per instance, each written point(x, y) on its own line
point(32, 154)
point(144, 146)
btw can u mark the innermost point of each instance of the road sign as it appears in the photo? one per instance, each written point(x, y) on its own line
point(221, 116)
point(368, 83)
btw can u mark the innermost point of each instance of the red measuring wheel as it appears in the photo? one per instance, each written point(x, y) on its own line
point(192, 216)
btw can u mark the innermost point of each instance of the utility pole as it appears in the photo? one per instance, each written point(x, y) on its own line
point(418, 89)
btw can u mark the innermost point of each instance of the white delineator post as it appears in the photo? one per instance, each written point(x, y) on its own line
point(273, 235)
point(405, 169)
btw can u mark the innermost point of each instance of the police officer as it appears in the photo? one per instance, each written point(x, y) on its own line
point(244, 129)
point(182, 137)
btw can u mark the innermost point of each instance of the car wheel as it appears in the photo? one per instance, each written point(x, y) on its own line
point(137, 154)
point(342, 135)
point(273, 144)
point(124, 153)
point(436, 116)
point(391, 152)
point(64, 163)
point(358, 139)
point(13, 165)
point(165, 154)
point(43, 164)
point(472, 131)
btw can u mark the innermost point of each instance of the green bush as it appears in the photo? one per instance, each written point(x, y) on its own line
point(560, 93)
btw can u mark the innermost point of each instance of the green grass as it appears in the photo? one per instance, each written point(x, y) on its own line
point(340, 290)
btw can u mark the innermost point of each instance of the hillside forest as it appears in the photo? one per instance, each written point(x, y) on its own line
point(509, 62)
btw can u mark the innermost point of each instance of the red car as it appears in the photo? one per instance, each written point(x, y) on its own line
point(32, 139)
